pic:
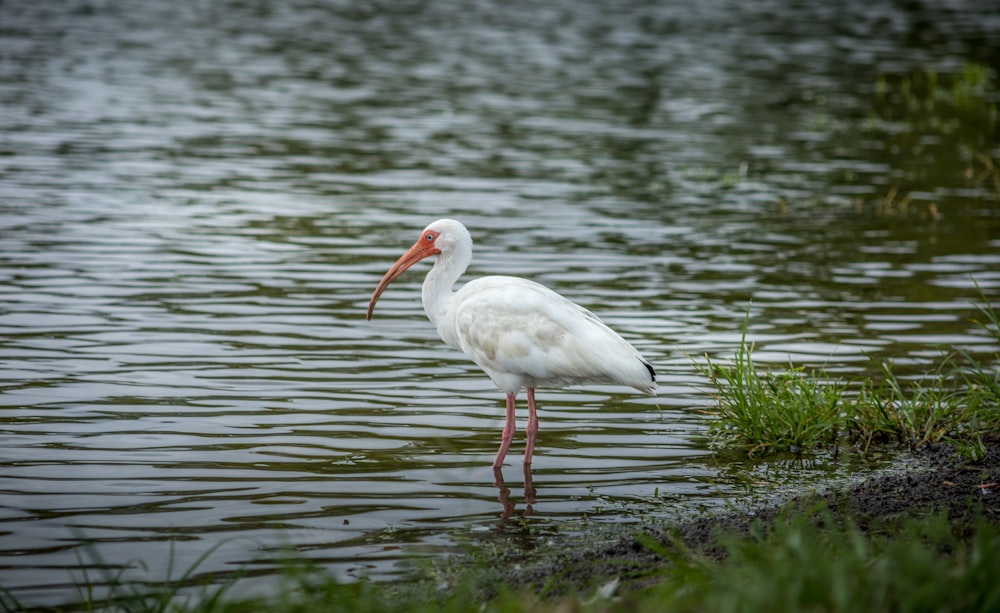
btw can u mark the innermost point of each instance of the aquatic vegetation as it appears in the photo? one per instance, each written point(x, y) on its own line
point(929, 101)
point(931, 410)
point(790, 410)
point(984, 170)
point(957, 403)
point(947, 118)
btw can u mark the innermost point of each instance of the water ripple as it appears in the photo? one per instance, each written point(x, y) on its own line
point(198, 201)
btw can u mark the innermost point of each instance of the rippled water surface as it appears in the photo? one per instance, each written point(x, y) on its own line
point(197, 200)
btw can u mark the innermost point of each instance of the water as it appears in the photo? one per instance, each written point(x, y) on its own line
point(199, 198)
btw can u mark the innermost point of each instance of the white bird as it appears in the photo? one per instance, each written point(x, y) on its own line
point(521, 333)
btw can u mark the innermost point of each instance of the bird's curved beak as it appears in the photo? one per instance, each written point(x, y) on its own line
point(415, 253)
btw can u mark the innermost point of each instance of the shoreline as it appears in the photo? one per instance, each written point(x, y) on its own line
point(932, 480)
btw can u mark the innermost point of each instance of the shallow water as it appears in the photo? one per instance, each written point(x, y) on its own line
point(198, 199)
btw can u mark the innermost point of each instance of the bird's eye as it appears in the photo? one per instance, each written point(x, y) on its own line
point(430, 236)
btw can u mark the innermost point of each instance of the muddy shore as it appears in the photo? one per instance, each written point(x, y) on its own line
point(940, 481)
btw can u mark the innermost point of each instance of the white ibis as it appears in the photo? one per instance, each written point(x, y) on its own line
point(521, 333)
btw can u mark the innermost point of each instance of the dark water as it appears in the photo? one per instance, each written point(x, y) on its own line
point(197, 199)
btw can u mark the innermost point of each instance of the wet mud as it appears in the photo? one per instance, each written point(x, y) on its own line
point(937, 481)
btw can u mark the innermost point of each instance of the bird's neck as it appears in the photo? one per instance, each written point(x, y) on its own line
point(437, 289)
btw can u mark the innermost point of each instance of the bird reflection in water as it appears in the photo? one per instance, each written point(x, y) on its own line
point(529, 493)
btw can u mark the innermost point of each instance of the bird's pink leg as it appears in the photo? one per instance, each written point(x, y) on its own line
point(508, 433)
point(532, 429)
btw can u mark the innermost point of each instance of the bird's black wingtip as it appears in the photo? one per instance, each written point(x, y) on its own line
point(652, 373)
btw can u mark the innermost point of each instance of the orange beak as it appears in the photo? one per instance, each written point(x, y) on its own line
point(417, 252)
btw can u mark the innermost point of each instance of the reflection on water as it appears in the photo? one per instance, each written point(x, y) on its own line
point(197, 201)
point(509, 506)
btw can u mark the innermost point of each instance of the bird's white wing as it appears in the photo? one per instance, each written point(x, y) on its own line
point(513, 327)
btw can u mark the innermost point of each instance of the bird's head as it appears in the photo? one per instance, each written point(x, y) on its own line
point(445, 237)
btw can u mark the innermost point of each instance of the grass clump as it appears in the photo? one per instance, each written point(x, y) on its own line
point(985, 381)
point(956, 403)
point(938, 408)
point(772, 411)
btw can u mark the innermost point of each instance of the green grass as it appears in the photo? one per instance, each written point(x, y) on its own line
point(984, 380)
point(771, 411)
point(958, 403)
point(924, 411)
point(801, 564)
point(806, 560)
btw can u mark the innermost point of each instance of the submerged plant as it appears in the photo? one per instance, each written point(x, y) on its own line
point(946, 122)
point(984, 169)
point(926, 101)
